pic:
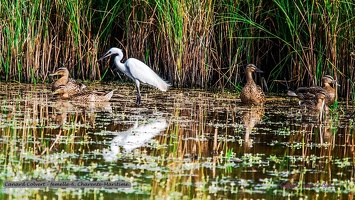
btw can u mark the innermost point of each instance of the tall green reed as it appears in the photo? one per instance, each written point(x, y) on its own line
point(39, 36)
point(300, 40)
point(191, 44)
point(173, 37)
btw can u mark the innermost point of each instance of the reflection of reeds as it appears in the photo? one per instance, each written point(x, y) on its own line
point(35, 146)
point(196, 149)
point(200, 155)
point(31, 116)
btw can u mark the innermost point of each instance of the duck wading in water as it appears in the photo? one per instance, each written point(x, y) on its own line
point(252, 94)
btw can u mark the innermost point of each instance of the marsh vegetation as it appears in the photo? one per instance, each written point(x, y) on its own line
point(185, 143)
point(202, 44)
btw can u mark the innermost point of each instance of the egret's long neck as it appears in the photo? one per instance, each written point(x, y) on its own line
point(118, 63)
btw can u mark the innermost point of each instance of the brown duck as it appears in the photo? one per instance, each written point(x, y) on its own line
point(309, 93)
point(84, 96)
point(252, 94)
point(71, 85)
point(317, 105)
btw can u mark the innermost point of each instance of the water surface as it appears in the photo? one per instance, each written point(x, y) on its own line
point(179, 144)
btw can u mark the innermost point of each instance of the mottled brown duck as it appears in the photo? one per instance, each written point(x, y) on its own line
point(84, 96)
point(317, 105)
point(71, 85)
point(309, 93)
point(252, 94)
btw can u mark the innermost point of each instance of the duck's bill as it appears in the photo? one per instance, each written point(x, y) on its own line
point(336, 83)
point(258, 70)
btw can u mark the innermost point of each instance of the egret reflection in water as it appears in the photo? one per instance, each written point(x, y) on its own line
point(138, 136)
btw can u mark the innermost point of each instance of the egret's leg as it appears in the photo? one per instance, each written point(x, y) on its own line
point(138, 93)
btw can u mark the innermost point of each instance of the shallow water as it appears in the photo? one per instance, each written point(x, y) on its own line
point(179, 144)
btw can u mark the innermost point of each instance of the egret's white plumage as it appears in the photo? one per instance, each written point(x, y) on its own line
point(137, 71)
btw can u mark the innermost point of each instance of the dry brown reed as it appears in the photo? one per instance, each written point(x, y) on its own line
point(203, 44)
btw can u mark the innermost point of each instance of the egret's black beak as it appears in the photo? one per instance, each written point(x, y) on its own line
point(105, 56)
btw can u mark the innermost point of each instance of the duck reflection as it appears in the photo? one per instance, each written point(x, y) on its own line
point(137, 136)
point(64, 110)
point(312, 134)
point(325, 130)
point(320, 148)
point(60, 111)
point(251, 117)
point(94, 107)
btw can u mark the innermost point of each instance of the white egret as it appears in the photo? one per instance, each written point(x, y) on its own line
point(137, 71)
